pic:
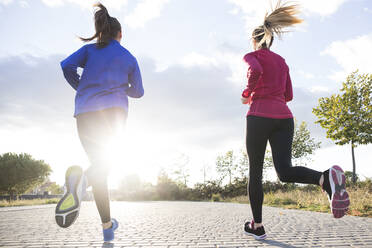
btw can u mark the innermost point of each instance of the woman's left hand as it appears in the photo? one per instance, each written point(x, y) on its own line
point(245, 100)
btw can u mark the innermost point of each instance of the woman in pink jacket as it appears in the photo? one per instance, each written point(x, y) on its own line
point(269, 119)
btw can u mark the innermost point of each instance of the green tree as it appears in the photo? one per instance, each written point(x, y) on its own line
point(303, 146)
point(130, 183)
point(166, 188)
point(205, 170)
point(243, 164)
point(20, 172)
point(348, 116)
point(268, 161)
point(226, 165)
point(349, 176)
point(132, 188)
point(182, 172)
point(54, 188)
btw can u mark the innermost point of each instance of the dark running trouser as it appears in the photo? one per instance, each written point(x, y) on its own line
point(279, 132)
point(96, 131)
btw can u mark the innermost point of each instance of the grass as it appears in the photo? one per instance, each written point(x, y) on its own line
point(312, 200)
point(5, 203)
point(361, 201)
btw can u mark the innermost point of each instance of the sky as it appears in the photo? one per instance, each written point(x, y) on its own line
point(190, 54)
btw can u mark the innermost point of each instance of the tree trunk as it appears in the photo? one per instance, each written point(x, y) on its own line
point(12, 196)
point(204, 174)
point(353, 157)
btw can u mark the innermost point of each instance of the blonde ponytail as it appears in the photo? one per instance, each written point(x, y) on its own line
point(284, 15)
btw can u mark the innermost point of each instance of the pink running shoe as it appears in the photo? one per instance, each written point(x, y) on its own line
point(339, 198)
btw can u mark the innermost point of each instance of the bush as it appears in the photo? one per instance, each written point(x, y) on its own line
point(216, 197)
point(237, 188)
point(366, 185)
point(205, 191)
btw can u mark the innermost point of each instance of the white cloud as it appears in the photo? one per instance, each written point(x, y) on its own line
point(351, 55)
point(321, 7)
point(110, 4)
point(367, 10)
point(53, 3)
point(237, 66)
point(145, 11)
point(234, 11)
point(306, 75)
point(338, 76)
point(254, 10)
point(230, 60)
point(318, 89)
point(24, 4)
point(5, 2)
point(196, 59)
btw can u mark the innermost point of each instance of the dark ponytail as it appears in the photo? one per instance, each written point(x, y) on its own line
point(107, 27)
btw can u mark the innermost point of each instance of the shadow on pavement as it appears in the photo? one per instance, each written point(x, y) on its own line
point(277, 243)
point(266, 241)
point(107, 245)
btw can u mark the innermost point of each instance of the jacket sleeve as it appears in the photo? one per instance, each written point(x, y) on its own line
point(135, 89)
point(254, 73)
point(70, 65)
point(288, 89)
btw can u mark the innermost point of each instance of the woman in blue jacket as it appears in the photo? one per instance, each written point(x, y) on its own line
point(110, 74)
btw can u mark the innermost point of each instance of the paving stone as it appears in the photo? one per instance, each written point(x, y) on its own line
point(181, 225)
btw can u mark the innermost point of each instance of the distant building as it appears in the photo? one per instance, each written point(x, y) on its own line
point(44, 189)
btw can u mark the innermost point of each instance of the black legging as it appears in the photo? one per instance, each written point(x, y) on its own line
point(279, 132)
point(96, 130)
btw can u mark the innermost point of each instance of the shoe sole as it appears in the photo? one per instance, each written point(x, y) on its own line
point(74, 188)
point(261, 237)
point(340, 198)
